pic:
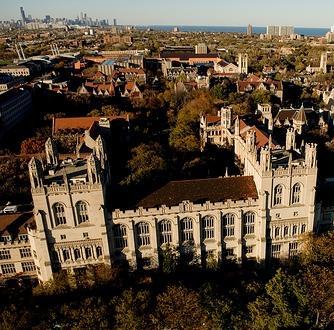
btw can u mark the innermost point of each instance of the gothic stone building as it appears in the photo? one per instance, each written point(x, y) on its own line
point(259, 215)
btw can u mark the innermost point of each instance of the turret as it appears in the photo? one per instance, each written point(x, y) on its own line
point(35, 173)
point(51, 153)
point(243, 63)
point(251, 141)
point(290, 140)
point(93, 169)
point(226, 117)
point(237, 127)
point(311, 155)
point(265, 159)
point(100, 152)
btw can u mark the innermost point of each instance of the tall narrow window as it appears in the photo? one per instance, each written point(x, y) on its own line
point(303, 229)
point(187, 233)
point(98, 251)
point(143, 234)
point(77, 254)
point(82, 211)
point(66, 255)
point(165, 231)
point(294, 230)
point(296, 192)
point(228, 222)
point(208, 229)
point(286, 231)
point(121, 240)
point(59, 214)
point(277, 232)
point(88, 252)
point(278, 195)
point(249, 223)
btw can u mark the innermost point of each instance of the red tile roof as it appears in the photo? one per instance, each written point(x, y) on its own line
point(78, 123)
point(14, 224)
point(201, 191)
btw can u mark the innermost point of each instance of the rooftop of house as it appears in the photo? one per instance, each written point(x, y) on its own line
point(15, 224)
point(79, 123)
point(202, 190)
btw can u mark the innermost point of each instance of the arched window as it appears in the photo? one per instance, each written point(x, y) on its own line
point(286, 231)
point(98, 251)
point(208, 229)
point(187, 230)
point(277, 231)
point(88, 252)
point(228, 221)
point(294, 230)
point(66, 255)
point(82, 212)
point(249, 223)
point(59, 214)
point(143, 234)
point(121, 240)
point(303, 230)
point(296, 192)
point(165, 231)
point(77, 254)
point(278, 195)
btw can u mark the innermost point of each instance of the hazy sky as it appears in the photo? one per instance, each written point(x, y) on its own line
point(304, 13)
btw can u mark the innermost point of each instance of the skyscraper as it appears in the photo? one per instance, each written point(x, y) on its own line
point(115, 22)
point(249, 30)
point(23, 15)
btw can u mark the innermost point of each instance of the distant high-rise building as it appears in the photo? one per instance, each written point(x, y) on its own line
point(332, 28)
point(275, 30)
point(115, 22)
point(47, 18)
point(23, 15)
point(249, 30)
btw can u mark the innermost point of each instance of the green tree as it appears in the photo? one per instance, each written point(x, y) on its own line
point(283, 305)
point(180, 308)
point(132, 310)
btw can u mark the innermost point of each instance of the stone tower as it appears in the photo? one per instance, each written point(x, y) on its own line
point(226, 117)
point(243, 63)
point(323, 62)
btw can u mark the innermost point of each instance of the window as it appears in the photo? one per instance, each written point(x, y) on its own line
point(121, 240)
point(275, 250)
point(187, 230)
point(66, 255)
point(85, 235)
point(249, 249)
point(59, 214)
point(249, 221)
point(34, 253)
point(208, 230)
point(277, 232)
point(25, 253)
point(82, 212)
point(278, 193)
point(296, 191)
point(62, 236)
point(230, 252)
point(98, 251)
point(77, 254)
point(286, 231)
point(294, 230)
point(143, 234)
point(293, 249)
point(5, 254)
point(88, 252)
point(228, 222)
point(303, 230)
point(8, 269)
point(165, 231)
point(28, 266)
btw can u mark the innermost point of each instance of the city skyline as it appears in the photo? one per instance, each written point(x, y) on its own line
point(210, 13)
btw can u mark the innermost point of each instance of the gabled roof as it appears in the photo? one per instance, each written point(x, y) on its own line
point(78, 123)
point(300, 115)
point(201, 191)
point(14, 224)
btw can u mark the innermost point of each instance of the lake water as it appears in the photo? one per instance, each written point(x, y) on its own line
point(316, 32)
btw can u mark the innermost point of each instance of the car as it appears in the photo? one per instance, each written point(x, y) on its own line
point(10, 209)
